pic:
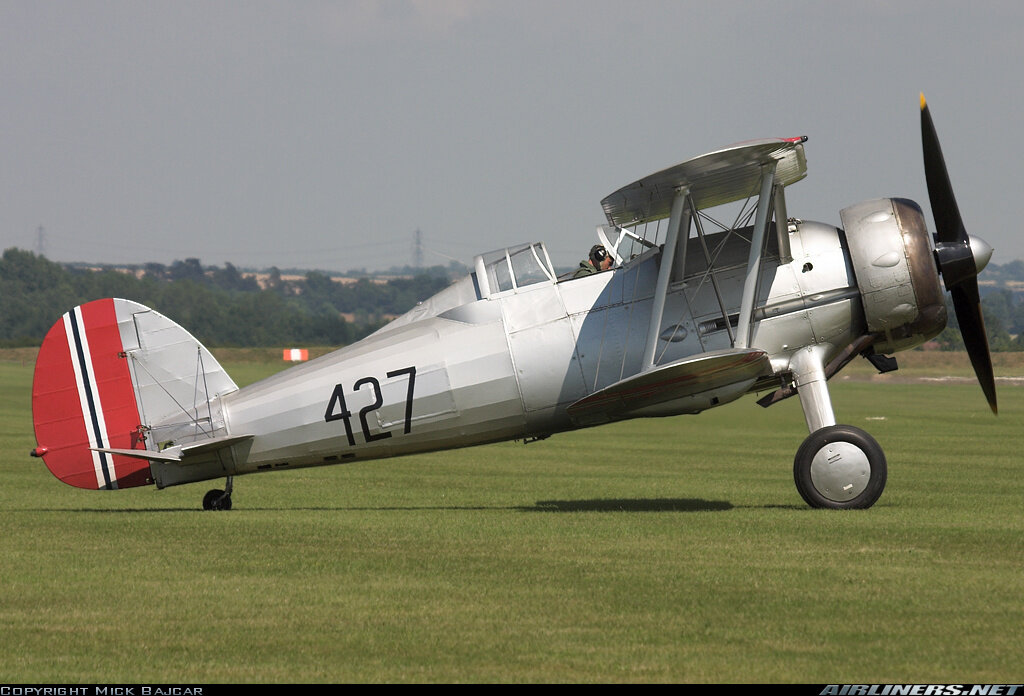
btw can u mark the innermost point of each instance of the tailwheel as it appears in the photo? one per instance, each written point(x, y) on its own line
point(840, 467)
point(218, 499)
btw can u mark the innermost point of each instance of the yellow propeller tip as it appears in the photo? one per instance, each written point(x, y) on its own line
point(924, 105)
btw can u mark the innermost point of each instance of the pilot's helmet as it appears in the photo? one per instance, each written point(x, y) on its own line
point(598, 254)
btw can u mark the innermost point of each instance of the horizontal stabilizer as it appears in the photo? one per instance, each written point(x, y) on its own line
point(182, 453)
point(140, 454)
point(211, 445)
point(690, 385)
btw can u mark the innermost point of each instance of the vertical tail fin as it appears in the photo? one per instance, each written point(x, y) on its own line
point(113, 374)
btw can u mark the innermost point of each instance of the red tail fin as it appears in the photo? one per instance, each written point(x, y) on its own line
point(83, 398)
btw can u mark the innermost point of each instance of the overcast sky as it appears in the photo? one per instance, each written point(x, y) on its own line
point(322, 135)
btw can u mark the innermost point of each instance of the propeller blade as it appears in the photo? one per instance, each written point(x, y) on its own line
point(972, 328)
point(949, 227)
point(957, 261)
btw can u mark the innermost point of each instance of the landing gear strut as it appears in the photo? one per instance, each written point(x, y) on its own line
point(837, 466)
point(219, 499)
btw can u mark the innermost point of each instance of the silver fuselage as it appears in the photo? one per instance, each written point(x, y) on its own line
point(464, 370)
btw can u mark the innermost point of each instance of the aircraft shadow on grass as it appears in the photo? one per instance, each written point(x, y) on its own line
point(588, 505)
point(630, 505)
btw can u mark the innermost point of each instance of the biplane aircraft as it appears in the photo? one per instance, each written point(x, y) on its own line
point(693, 315)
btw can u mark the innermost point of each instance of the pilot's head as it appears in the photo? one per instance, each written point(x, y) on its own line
point(600, 257)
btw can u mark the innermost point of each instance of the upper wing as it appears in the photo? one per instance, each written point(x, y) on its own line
point(713, 179)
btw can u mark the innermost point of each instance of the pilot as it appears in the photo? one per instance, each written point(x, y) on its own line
point(598, 260)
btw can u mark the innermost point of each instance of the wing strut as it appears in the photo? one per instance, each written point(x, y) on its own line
point(782, 224)
point(754, 259)
point(680, 211)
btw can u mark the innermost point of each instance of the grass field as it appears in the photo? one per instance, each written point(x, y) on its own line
point(663, 550)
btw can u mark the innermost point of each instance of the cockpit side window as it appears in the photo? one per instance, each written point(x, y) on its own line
point(527, 266)
point(514, 267)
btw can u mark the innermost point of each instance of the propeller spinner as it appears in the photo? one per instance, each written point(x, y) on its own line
point(960, 257)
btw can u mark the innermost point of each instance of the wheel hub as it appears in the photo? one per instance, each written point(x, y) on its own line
point(840, 471)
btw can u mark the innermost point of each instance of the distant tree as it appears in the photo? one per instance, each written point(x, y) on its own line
point(999, 338)
point(950, 339)
point(998, 306)
point(189, 269)
point(229, 278)
point(156, 271)
point(34, 293)
point(319, 291)
point(274, 281)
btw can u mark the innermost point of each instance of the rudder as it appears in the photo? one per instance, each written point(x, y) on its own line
point(108, 373)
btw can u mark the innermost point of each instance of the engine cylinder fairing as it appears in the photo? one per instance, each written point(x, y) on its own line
point(893, 262)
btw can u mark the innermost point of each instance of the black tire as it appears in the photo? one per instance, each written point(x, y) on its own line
point(216, 500)
point(840, 467)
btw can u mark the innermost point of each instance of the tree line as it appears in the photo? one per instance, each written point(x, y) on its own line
point(226, 307)
point(219, 306)
point(1003, 311)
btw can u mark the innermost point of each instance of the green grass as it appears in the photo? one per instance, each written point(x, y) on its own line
point(663, 550)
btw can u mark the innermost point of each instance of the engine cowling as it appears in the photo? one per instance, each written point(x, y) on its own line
point(893, 262)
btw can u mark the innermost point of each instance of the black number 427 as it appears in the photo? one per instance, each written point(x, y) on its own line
point(337, 401)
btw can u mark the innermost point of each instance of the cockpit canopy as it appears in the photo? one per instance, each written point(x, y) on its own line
point(512, 268)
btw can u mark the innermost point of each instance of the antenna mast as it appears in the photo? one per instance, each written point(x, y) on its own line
point(417, 250)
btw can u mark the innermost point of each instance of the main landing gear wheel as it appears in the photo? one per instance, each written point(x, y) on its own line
point(840, 467)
